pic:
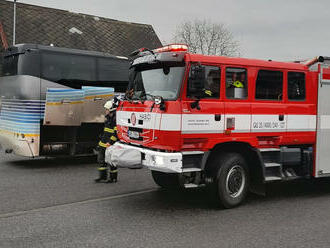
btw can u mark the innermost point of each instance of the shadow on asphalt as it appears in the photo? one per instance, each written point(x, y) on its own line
point(201, 198)
point(175, 200)
point(53, 162)
point(299, 189)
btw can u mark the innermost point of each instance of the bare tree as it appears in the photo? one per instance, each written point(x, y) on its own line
point(206, 37)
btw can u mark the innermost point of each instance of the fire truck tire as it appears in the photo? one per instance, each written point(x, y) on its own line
point(166, 180)
point(231, 179)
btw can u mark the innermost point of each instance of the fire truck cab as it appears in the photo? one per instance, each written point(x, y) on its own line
point(228, 123)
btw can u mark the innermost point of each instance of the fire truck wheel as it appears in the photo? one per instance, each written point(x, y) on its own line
point(166, 180)
point(232, 180)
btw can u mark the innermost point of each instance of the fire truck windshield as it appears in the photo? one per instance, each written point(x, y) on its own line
point(162, 81)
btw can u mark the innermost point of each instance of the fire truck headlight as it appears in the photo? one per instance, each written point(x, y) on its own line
point(157, 159)
point(158, 100)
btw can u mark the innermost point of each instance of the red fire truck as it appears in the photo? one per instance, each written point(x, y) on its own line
point(231, 124)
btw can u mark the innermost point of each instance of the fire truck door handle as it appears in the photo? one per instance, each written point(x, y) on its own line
point(217, 117)
point(281, 117)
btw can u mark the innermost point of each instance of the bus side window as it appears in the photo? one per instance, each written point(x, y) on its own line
point(296, 86)
point(111, 69)
point(236, 83)
point(68, 67)
point(269, 85)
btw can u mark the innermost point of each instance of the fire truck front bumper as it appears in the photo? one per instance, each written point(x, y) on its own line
point(169, 162)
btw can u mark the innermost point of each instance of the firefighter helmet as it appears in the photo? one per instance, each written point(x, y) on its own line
point(110, 105)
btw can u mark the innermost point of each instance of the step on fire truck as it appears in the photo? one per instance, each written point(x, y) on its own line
point(228, 123)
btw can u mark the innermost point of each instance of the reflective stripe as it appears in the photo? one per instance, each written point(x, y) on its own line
point(238, 84)
point(115, 128)
point(113, 170)
point(99, 96)
point(102, 144)
point(25, 134)
point(109, 130)
point(208, 92)
point(102, 168)
point(113, 138)
point(60, 103)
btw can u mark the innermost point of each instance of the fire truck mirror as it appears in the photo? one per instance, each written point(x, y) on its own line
point(196, 80)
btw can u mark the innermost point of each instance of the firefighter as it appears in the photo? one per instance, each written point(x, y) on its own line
point(238, 83)
point(212, 86)
point(107, 172)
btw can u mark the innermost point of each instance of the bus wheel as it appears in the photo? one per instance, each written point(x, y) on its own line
point(231, 179)
point(167, 180)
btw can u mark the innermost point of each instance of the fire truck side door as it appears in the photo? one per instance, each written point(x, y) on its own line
point(301, 108)
point(203, 116)
point(268, 110)
point(237, 102)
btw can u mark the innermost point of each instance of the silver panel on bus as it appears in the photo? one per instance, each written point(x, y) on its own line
point(20, 113)
point(94, 100)
point(64, 107)
point(71, 107)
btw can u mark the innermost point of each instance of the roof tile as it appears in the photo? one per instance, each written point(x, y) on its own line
point(44, 26)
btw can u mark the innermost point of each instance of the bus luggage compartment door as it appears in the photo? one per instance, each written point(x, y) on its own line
point(94, 100)
point(323, 124)
point(64, 107)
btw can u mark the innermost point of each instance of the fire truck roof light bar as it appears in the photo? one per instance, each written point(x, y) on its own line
point(172, 48)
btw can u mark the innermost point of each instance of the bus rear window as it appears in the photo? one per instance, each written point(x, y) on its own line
point(10, 65)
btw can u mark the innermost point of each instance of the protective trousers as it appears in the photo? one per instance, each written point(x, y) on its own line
point(108, 173)
point(103, 170)
point(113, 173)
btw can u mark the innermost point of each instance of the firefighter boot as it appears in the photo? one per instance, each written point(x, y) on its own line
point(102, 174)
point(113, 174)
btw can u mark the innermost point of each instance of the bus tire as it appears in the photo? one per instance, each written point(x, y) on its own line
point(166, 180)
point(231, 179)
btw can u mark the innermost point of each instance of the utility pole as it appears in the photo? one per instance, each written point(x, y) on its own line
point(14, 24)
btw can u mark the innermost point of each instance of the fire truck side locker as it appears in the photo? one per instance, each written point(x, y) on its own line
point(323, 123)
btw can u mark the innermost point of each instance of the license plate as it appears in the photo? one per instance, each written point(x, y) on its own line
point(133, 134)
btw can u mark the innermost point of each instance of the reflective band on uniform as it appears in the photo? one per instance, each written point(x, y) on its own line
point(113, 170)
point(115, 128)
point(113, 138)
point(208, 92)
point(102, 168)
point(238, 84)
point(102, 144)
point(109, 130)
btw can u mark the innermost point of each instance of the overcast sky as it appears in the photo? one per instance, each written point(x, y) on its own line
point(279, 30)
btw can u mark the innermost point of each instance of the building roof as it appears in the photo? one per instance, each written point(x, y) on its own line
point(62, 28)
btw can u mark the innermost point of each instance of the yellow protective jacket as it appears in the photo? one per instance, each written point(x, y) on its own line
point(238, 84)
point(109, 134)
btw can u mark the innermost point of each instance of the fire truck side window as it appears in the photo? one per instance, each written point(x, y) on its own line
point(296, 86)
point(269, 85)
point(204, 82)
point(236, 83)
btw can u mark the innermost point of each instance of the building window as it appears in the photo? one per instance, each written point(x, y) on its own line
point(236, 83)
point(269, 85)
point(296, 86)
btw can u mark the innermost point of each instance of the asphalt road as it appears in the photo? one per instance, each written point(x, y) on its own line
point(54, 203)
